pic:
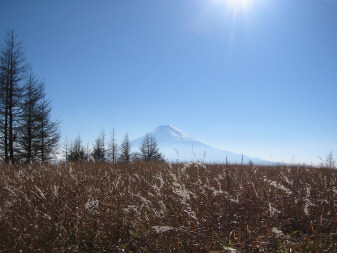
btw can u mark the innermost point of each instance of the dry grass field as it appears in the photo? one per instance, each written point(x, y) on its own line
point(161, 207)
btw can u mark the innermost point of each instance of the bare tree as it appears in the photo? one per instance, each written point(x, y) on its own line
point(99, 152)
point(65, 148)
point(149, 149)
point(48, 131)
point(113, 147)
point(330, 161)
point(125, 150)
point(76, 151)
point(27, 131)
point(29, 118)
point(12, 71)
point(88, 152)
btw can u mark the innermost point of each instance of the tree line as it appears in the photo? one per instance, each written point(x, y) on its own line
point(111, 151)
point(27, 132)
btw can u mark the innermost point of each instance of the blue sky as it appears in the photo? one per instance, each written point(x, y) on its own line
point(258, 77)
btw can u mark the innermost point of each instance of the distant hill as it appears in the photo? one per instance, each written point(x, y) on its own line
point(176, 145)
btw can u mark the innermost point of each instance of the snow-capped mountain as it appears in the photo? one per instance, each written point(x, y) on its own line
point(176, 145)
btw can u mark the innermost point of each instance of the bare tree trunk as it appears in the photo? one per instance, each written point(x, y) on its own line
point(11, 137)
point(6, 131)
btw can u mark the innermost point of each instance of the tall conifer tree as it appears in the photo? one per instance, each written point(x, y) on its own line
point(12, 73)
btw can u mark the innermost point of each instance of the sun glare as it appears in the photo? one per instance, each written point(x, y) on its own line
point(243, 3)
point(235, 4)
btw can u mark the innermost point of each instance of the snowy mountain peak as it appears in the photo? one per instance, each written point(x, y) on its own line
point(169, 130)
point(175, 145)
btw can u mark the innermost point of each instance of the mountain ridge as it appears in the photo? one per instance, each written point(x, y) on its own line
point(176, 145)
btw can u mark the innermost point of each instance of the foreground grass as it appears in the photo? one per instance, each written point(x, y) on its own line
point(159, 207)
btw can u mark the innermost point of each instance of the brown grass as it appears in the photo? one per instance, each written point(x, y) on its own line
point(160, 207)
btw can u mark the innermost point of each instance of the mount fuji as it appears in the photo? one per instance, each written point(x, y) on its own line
point(176, 145)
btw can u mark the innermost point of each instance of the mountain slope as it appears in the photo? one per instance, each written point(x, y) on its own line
point(175, 145)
